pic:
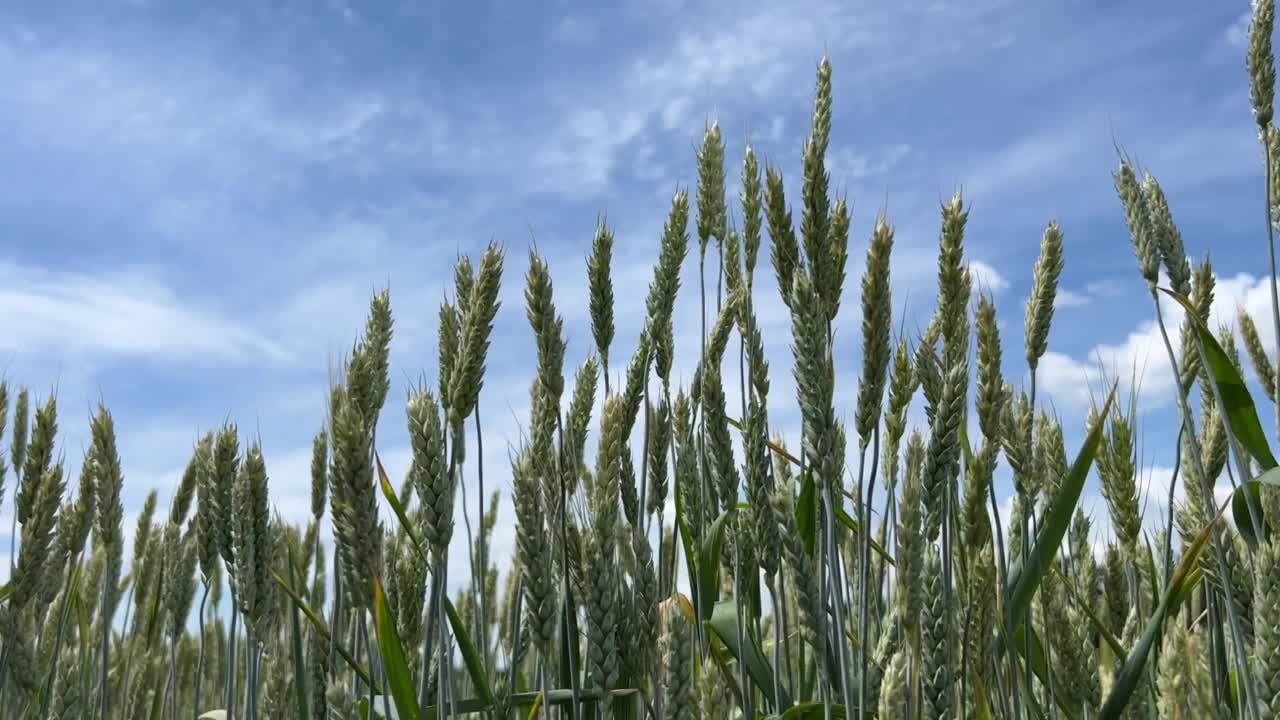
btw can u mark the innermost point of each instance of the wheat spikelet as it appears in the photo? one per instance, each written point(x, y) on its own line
point(990, 401)
point(896, 689)
point(601, 286)
point(226, 466)
point(473, 340)
point(319, 474)
point(731, 267)
point(1266, 626)
point(1261, 62)
point(107, 484)
point(21, 430)
point(66, 701)
point(954, 283)
point(628, 491)
point(785, 249)
point(37, 535)
point(760, 487)
point(644, 611)
point(534, 552)
point(208, 534)
point(353, 503)
point(712, 213)
point(367, 369)
point(1137, 218)
point(714, 697)
point(877, 304)
point(1085, 576)
point(801, 572)
point(180, 583)
point(814, 382)
point(39, 458)
point(752, 205)
point(431, 478)
point(943, 450)
point(447, 351)
point(935, 682)
point(1262, 364)
point(601, 606)
point(180, 505)
point(4, 419)
point(1203, 284)
point(981, 618)
point(677, 671)
point(253, 539)
point(1115, 463)
point(577, 422)
point(815, 214)
point(660, 301)
point(1044, 292)
point(1070, 663)
point(658, 445)
point(1185, 686)
point(1165, 234)
point(838, 230)
point(909, 554)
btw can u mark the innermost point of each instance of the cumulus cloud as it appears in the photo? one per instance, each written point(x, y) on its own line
point(1140, 360)
point(986, 278)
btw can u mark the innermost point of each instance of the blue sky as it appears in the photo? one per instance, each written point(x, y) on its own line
point(199, 199)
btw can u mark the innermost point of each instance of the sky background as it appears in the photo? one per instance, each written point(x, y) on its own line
point(198, 200)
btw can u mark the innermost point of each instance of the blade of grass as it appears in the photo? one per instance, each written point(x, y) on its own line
point(389, 493)
point(1240, 505)
point(324, 630)
point(398, 680)
point(1025, 575)
point(709, 565)
point(852, 524)
point(472, 659)
point(722, 626)
point(1237, 403)
point(807, 512)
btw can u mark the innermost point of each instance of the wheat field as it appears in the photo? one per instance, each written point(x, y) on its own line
point(865, 573)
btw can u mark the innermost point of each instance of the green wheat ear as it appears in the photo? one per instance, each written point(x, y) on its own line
point(1261, 62)
point(877, 306)
point(1044, 292)
point(601, 290)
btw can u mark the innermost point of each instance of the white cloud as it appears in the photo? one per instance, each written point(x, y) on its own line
point(1142, 356)
point(119, 314)
point(1068, 299)
point(847, 164)
point(986, 279)
point(1237, 34)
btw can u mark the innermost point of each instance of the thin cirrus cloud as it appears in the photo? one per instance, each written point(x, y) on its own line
point(126, 315)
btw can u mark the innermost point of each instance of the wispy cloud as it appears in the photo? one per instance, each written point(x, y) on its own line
point(123, 314)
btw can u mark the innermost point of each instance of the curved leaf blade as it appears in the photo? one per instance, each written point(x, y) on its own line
point(401, 685)
point(709, 565)
point(1240, 505)
point(471, 657)
point(1025, 576)
point(723, 625)
point(1236, 400)
point(323, 629)
point(389, 493)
